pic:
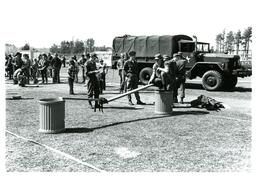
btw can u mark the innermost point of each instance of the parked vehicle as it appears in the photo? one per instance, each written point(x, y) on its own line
point(217, 70)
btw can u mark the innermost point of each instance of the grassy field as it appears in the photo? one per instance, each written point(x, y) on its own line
point(124, 138)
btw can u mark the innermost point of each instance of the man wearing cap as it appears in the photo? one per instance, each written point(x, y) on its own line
point(120, 68)
point(156, 78)
point(168, 73)
point(180, 76)
point(93, 83)
point(131, 72)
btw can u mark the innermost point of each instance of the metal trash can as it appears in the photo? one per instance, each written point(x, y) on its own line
point(163, 102)
point(52, 115)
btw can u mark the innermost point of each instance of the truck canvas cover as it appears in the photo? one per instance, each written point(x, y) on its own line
point(148, 46)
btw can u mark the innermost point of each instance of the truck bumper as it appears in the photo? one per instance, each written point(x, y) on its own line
point(242, 72)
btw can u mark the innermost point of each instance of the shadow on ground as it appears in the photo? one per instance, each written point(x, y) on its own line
point(175, 113)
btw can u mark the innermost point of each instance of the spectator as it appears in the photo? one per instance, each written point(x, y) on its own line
point(120, 68)
point(49, 64)
point(103, 70)
point(56, 66)
point(34, 70)
point(64, 61)
point(43, 64)
point(26, 67)
point(9, 66)
point(82, 62)
point(77, 67)
point(71, 76)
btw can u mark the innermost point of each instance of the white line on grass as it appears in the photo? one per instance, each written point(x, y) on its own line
point(57, 151)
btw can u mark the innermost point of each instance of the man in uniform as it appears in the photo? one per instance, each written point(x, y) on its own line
point(120, 68)
point(180, 76)
point(131, 72)
point(81, 62)
point(167, 73)
point(93, 83)
point(56, 65)
point(156, 78)
point(26, 67)
point(17, 65)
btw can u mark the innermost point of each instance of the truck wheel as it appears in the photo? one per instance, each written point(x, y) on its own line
point(212, 80)
point(145, 75)
point(230, 82)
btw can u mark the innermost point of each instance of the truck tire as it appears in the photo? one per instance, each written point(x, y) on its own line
point(145, 75)
point(230, 82)
point(212, 80)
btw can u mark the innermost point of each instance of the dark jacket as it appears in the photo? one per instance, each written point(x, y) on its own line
point(56, 63)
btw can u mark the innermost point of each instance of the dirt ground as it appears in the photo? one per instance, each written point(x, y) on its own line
point(128, 138)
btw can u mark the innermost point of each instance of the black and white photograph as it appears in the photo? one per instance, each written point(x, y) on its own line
point(127, 87)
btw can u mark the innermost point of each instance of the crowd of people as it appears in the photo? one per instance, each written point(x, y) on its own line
point(168, 73)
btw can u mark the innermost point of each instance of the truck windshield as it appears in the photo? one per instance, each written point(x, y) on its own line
point(202, 47)
point(187, 47)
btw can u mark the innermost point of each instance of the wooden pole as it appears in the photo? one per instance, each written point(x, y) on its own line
point(129, 92)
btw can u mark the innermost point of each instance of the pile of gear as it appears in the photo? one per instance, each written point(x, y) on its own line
point(206, 102)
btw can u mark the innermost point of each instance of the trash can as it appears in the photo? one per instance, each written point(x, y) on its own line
point(163, 102)
point(52, 115)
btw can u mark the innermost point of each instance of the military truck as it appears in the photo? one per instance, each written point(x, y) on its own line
point(217, 70)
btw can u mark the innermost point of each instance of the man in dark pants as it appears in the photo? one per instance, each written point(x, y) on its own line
point(17, 64)
point(56, 65)
point(131, 72)
point(26, 67)
point(93, 83)
point(71, 76)
point(180, 76)
point(156, 75)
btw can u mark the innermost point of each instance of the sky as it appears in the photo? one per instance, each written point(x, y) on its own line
point(42, 23)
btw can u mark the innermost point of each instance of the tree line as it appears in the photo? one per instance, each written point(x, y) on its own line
point(234, 42)
point(77, 47)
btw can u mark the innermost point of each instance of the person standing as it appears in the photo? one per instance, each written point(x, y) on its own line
point(64, 61)
point(82, 62)
point(34, 70)
point(180, 76)
point(56, 66)
point(9, 66)
point(131, 72)
point(43, 64)
point(26, 67)
point(93, 83)
point(103, 70)
point(49, 65)
point(120, 68)
point(71, 76)
point(77, 67)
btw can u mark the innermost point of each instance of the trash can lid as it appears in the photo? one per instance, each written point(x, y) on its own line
point(51, 100)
